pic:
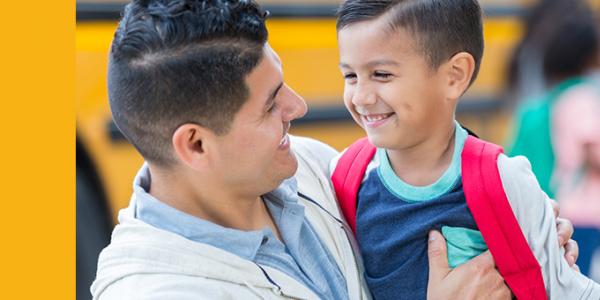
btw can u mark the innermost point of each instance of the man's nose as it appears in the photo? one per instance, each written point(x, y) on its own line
point(295, 106)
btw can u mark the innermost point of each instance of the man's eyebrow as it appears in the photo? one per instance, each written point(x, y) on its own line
point(273, 94)
point(380, 62)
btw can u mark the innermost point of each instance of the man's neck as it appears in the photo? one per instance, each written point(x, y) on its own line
point(424, 163)
point(208, 201)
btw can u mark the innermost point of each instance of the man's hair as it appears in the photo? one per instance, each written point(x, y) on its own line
point(440, 28)
point(174, 62)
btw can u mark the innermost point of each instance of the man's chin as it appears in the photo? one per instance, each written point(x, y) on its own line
point(289, 167)
point(293, 165)
point(285, 173)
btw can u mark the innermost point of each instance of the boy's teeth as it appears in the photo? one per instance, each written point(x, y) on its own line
point(374, 118)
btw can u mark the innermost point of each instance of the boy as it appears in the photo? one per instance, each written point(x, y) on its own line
point(406, 64)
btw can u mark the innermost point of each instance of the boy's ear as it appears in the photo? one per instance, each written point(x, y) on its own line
point(459, 71)
point(192, 144)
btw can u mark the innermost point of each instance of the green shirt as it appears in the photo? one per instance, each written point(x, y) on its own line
point(533, 138)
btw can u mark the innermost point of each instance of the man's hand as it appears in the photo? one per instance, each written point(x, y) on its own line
point(565, 231)
point(476, 279)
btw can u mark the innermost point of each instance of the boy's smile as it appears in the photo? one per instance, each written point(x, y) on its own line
point(374, 120)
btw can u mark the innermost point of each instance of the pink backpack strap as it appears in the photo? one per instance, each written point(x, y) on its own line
point(492, 212)
point(348, 175)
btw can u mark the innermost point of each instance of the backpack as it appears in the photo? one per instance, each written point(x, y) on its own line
point(485, 198)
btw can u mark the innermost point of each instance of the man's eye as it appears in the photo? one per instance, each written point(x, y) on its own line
point(273, 107)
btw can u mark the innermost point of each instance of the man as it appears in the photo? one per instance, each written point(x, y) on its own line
point(229, 206)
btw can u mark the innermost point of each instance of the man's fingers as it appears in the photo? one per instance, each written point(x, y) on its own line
point(565, 230)
point(500, 290)
point(576, 268)
point(571, 252)
point(438, 257)
point(482, 272)
point(555, 208)
point(502, 293)
point(482, 262)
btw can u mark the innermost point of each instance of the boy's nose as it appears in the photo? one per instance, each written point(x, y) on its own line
point(363, 96)
point(295, 106)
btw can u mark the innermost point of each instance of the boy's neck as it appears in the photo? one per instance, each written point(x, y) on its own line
point(424, 163)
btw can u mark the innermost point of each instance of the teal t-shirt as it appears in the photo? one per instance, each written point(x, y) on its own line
point(394, 219)
point(463, 243)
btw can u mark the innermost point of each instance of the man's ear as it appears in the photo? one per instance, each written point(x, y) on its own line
point(192, 144)
point(459, 71)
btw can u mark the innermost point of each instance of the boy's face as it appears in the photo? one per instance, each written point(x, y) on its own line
point(390, 89)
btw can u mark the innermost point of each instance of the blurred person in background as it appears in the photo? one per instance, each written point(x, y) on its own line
point(559, 129)
point(525, 72)
point(576, 138)
point(559, 43)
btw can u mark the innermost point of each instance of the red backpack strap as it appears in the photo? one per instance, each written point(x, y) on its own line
point(492, 212)
point(348, 175)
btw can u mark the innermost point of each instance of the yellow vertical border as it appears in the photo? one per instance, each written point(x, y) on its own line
point(37, 149)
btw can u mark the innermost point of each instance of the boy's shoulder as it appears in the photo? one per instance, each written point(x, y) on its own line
point(516, 172)
point(522, 188)
point(372, 163)
point(516, 176)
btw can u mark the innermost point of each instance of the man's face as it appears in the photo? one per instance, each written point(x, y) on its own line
point(390, 89)
point(254, 156)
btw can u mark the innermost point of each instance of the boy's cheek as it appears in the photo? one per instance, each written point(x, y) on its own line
point(350, 108)
point(357, 120)
point(355, 115)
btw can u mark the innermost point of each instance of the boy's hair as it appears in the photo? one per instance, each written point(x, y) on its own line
point(174, 62)
point(441, 28)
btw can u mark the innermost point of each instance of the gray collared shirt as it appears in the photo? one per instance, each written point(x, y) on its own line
point(301, 255)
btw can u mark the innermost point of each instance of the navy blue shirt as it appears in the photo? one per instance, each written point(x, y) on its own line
point(394, 219)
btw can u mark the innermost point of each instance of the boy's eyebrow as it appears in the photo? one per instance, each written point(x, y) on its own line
point(380, 62)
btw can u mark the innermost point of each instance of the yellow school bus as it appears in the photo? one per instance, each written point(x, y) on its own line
point(303, 34)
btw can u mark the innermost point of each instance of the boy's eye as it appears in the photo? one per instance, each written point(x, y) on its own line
point(382, 75)
point(349, 76)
